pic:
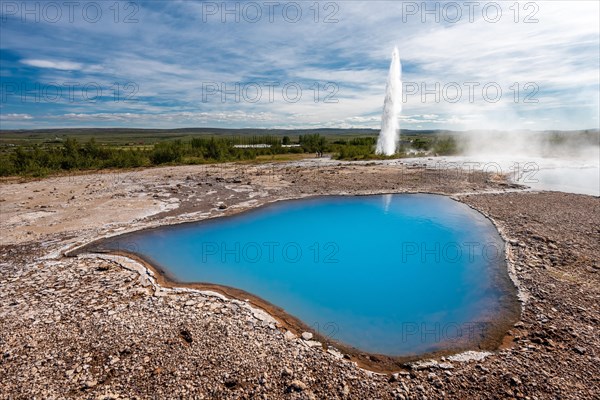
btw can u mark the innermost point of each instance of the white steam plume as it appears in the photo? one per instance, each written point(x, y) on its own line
point(392, 106)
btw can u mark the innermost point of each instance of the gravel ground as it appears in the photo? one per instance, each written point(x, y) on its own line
point(101, 328)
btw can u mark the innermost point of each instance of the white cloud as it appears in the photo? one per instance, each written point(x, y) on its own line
point(170, 117)
point(15, 117)
point(61, 65)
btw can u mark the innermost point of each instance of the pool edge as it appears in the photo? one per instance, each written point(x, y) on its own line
point(373, 362)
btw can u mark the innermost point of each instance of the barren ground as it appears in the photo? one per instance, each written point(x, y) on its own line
point(101, 327)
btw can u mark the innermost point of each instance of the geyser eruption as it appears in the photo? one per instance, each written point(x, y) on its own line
point(392, 106)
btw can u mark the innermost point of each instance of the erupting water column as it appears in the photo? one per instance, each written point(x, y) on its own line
point(390, 127)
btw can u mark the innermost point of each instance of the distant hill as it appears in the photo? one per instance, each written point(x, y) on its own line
point(236, 132)
point(211, 131)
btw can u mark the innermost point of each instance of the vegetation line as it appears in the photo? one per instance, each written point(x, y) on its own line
point(59, 154)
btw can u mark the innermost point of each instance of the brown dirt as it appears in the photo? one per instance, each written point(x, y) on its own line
point(80, 327)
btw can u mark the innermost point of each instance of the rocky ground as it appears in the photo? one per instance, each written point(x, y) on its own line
point(100, 327)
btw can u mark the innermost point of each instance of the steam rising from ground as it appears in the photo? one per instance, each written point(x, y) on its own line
point(583, 146)
point(392, 106)
point(566, 161)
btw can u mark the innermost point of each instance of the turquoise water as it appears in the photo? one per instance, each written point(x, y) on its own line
point(391, 274)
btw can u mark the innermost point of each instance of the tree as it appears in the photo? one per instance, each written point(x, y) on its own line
point(70, 152)
point(312, 143)
point(213, 150)
point(91, 148)
point(20, 159)
point(166, 152)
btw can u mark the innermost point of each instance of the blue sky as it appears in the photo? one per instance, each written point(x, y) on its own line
point(166, 64)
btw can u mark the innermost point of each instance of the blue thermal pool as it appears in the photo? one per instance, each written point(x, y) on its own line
point(398, 275)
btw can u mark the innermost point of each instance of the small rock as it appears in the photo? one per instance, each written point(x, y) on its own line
point(445, 366)
point(345, 389)
point(424, 364)
point(297, 386)
point(289, 335)
point(263, 379)
point(313, 343)
point(230, 383)
point(307, 335)
point(259, 316)
point(482, 368)
point(89, 384)
point(405, 387)
point(335, 353)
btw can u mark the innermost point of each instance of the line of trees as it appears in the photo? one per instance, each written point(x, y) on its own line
point(41, 160)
